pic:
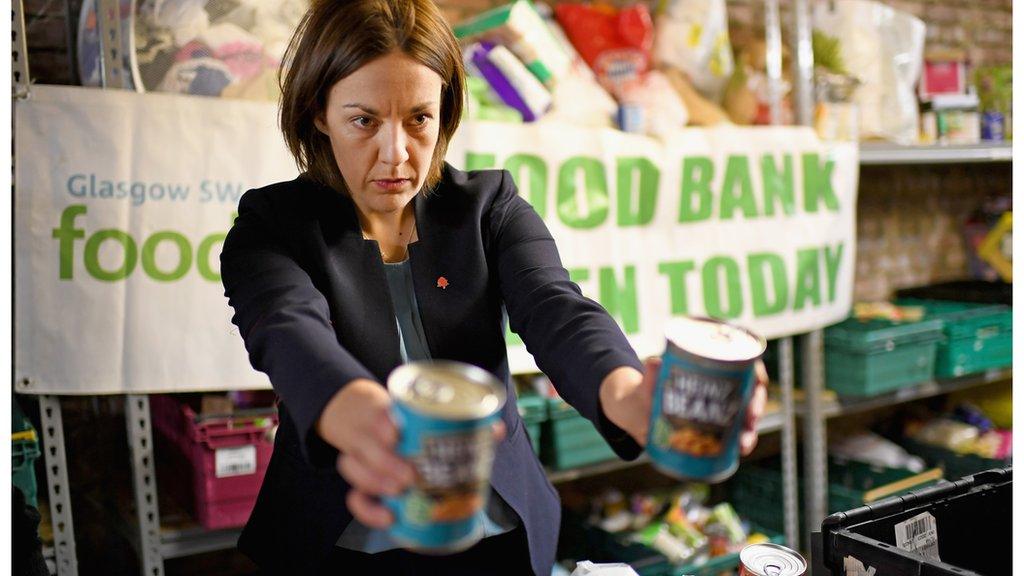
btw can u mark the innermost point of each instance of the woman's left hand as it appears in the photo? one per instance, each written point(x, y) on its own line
point(626, 400)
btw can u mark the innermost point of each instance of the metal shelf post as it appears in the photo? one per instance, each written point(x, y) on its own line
point(789, 464)
point(56, 461)
point(19, 52)
point(815, 441)
point(140, 440)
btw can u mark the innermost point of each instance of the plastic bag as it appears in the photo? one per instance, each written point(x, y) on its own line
point(871, 448)
point(693, 35)
point(884, 49)
point(615, 43)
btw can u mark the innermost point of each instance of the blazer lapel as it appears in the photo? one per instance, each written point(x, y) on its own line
point(365, 321)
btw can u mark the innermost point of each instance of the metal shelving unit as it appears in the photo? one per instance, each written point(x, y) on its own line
point(879, 154)
point(772, 422)
point(931, 388)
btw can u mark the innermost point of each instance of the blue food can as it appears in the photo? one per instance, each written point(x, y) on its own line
point(700, 398)
point(444, 411)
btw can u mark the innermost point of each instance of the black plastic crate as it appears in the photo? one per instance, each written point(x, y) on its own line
point(978, 291)
point(974, 521)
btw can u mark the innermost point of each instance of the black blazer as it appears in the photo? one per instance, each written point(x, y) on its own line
point(311, 302)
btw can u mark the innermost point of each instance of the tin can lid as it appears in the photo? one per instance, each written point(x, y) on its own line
point(447, 389)
point(714, 339)
point(772, 560)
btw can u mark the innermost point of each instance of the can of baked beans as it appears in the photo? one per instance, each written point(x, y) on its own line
point(444, 412)
point(771, 560)
point(706, 380)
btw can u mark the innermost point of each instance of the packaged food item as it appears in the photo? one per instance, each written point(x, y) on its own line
point(886, 57)
point(659, 537)
point(510, 80)
point(483, 104)
point(700, 398)
point(949, 434)
point(444, 411)
point(588, 568)
point(693, 36)
point(725, 517)
point(748, 94)
point(521, 29)
point(616, 44)
point(655, 107)
point(700, 110)
point(771, 560)
point(871, 448)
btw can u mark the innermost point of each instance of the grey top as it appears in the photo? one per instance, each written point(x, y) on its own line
point(499, 517)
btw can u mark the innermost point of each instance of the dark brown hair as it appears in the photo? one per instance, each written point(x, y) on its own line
point(337, 37)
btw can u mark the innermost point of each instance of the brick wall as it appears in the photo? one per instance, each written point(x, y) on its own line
point(981, 27)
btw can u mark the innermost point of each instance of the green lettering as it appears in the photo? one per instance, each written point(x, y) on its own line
point(737, 189)
point(203, 257)
point(511, 338)
point(536, 178)
point(763, 302)
point(636, 202)
point(832, 261)
point(676, 272)
point(92, 259)
point(712, 276)
point(818, 184)
point(778, 187)
point(478, 161)
point(66, 234)
point(620, 299)
point(808, 279)
point(579, 275)
point(696, 186)
point(149, 256)
point(595, 192)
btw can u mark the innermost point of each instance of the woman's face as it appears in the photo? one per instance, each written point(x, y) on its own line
point(383, 124)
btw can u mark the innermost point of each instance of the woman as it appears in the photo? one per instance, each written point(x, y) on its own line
point(382, 253)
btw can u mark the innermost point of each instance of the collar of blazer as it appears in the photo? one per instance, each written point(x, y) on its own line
point(357, 271)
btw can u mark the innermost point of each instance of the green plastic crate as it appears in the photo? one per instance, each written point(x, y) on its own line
point(878, 356)
point(534, 411)
point(649, 562)
point(24, 453)
point(954, 466)
point(757, 490)
point(569, 440)
point(977, 337)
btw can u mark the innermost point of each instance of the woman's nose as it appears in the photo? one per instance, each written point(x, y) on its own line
point(393, 148)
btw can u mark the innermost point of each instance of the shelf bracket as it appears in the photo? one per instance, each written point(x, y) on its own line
point(55, 457)
point(140, 440)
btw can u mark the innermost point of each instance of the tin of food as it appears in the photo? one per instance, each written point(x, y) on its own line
point(771, 560)
point(444, 411)
point(706, 380)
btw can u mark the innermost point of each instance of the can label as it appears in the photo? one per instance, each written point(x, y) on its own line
point(698, 411)
point(705, 383)
point(448, 440)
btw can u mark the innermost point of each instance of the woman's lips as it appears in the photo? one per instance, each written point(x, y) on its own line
point(392, 185)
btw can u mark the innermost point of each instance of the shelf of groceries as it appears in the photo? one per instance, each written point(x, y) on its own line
point(846, 406)
point(881, 154)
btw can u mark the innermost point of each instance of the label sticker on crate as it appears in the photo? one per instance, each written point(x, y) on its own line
point(919, 534)
point(235, 461)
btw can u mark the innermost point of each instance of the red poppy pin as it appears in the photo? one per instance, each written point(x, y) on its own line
point(442, 282)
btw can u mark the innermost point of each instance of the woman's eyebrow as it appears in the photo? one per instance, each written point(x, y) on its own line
point(425, 106)
point(362, 107)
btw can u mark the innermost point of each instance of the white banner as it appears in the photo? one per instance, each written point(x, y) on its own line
point(122, 201)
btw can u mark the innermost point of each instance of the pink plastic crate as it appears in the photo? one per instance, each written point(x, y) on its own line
point(222, 460)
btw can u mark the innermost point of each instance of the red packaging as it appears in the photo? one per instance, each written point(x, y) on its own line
point(616, 44)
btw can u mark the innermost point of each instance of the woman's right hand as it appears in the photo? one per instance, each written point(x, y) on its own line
point(357, 421)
